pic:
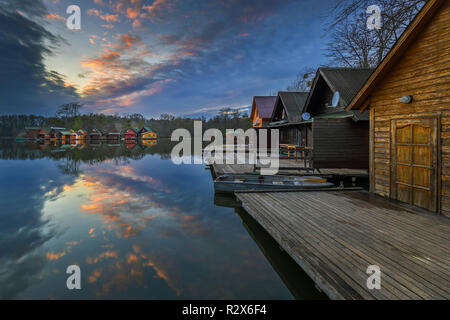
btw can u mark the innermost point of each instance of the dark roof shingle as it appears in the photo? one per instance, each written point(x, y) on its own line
point(347, 81)
point(265, 106)
point(293, 103)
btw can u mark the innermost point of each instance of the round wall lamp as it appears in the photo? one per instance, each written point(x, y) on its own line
point(406, 99)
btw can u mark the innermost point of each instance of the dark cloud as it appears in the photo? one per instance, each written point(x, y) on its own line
point(25, 84)
point(23, 230)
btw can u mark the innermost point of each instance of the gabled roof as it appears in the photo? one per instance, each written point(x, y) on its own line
point(94, 132)
point(399, 48)
point(264, 105)
point(147, 129)
point(346, 81)
point(292, 102)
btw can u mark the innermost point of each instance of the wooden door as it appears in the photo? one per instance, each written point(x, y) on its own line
point(414, 154)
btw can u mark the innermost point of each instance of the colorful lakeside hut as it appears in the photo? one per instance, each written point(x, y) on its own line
point(131, 134)
point(55, 132)
point(262, 109)
point(44, 133)
point(65, 135)
point(287, 114)
point(75, 135)
point(147, 134)
point(332, 136)
point(60, 134)
point(83, 134)
point(408, 98)
point(113, 136)
point(94, 135)
point(32, 132)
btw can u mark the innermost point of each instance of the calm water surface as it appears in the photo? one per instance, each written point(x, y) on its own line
point(138, 226)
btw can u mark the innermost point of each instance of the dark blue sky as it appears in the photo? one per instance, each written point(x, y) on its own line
point(184, 57)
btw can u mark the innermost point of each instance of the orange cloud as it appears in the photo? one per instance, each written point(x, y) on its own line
point(93, 12)
point(132, 258)
point(132, 13)
point(110, 17)
point(54, 255)
point(54, 16)
point(155, 9)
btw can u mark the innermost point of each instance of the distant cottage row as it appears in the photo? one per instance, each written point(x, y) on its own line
point(55, 133)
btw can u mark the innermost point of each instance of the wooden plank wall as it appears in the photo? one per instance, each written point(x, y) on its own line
point(340, 143)
point(424, 73)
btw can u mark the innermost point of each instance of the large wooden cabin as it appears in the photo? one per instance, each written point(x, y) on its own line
point(333, 136)
point(262, 109)
point(286, 116)
point(408, 96)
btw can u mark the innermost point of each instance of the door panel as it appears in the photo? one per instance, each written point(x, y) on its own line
point(414, 162)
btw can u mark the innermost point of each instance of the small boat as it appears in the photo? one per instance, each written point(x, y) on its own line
point(231, 183)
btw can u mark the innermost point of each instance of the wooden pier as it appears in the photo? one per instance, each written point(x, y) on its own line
point(336, 236)
point(289, 167)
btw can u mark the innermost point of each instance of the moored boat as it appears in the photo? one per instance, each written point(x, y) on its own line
point(231, 183)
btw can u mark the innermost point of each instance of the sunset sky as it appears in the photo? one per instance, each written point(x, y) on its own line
point(183, 57)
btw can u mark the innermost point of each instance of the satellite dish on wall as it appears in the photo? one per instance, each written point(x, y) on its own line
point(306, 116)
point(335, 100)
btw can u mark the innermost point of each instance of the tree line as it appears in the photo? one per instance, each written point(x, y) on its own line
point(66, 117)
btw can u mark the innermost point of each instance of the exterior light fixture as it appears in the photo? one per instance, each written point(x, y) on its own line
point(406, 99)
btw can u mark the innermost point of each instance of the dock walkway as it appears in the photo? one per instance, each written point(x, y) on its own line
point(289, 167)
point(336, 236)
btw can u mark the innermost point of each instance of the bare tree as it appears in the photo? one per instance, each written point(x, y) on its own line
point(69, 110)
point(166, 116)
point(352, 44)
point(303, 81)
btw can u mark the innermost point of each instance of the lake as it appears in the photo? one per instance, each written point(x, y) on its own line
point(137, 225)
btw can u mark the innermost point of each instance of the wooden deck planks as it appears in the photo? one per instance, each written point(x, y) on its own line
point(335, 236)
point(287, 167)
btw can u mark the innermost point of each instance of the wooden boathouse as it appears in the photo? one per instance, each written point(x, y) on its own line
point(287, 114)
point(113, 136)
point(95, 135)
point(333, 136)
point(146, 133)
point(408, 96)
point(32, 132)
point(131, 134)
point(262, 109)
